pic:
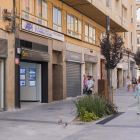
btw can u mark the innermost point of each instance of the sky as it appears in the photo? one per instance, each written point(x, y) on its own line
point(138, 14)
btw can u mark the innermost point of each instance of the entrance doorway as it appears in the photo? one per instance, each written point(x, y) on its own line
point(117, 78)
point(30, 81)
point(1, 84)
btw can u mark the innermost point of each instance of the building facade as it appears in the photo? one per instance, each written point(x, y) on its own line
point(56, 42)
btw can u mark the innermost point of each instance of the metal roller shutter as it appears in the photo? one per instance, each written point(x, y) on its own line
point(73, 79)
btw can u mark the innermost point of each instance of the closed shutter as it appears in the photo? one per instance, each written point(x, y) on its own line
point(3, 48)
point(0, 12)
point(73, 79)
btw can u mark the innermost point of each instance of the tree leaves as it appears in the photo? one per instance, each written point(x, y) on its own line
point(112, 50)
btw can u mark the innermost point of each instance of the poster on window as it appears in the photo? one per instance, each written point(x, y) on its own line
point(22, 77)
point(22, 83)
point(31, 83)
point(32, 70)
point(22, 71)
point(32, 77)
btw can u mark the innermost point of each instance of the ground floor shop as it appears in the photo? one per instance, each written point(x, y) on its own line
point(80, 61)
point(3, 71)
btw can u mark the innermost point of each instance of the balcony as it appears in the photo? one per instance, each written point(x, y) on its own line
point(138, 27)
point(88, 8)
point(137, 1)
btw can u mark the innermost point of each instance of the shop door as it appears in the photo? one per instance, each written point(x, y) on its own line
point(1, 85)
point(30, 81)
point(73, 79)
point(117, 78)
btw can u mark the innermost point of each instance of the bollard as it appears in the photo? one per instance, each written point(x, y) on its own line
point(112, 94)
point(109, 93)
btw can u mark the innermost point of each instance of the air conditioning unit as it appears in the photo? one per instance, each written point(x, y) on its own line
point(7, 11)
point(8, 18)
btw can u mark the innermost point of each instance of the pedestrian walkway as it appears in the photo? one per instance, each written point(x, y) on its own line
point(36, 121)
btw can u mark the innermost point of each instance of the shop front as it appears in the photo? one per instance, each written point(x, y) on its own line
point(73, 74)
point(120, 75)
point(31, 69)
point(125, 73)
point(91, 66)
point(3, 56)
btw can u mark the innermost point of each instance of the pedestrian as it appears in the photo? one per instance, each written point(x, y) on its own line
point(90, 86)
point(134, 83)
point(128, 82)
point(138, 95)
point(138, 80)
point(93, 87)
point(85, 85)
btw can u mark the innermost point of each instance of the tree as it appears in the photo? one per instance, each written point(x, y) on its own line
point(137, 58)
point(112, 50)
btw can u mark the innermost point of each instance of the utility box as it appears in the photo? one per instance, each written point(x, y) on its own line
point(103, 88)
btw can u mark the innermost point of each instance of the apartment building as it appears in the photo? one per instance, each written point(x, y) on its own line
point(127, 65)
point(57, 41)
point(138, 28)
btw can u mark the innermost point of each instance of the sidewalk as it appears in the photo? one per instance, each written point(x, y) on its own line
point(36, 121)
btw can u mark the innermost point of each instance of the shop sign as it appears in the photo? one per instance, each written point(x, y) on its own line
point(91, 58)
point(17, 61)
point(125, 66)
point(120, 66)
point(74, 56)
point(41, 30)
point(34, 55)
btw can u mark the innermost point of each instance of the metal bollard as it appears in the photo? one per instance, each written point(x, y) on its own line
point(109, 93)
point(112, 94)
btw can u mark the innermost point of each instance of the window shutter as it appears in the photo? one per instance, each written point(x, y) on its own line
point(0, 12)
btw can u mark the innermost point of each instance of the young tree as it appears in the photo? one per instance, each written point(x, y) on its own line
point(137, 58)
point(112, 50)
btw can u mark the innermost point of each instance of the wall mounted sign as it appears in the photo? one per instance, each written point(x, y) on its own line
point(90, 58)
point(17, 61)
point(73, 56)
point(34, 55)
point(28, 26)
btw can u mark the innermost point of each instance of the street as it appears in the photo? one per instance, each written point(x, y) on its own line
point(36, 121)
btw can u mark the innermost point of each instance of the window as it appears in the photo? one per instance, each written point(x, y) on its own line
point(124, 13)
point(138, 40)
point(117, 6)
point(132, 41)
point(131, 14)
point(102, 35)
point(38, 8)
point(124, 35)
point(28, 6)
point(108, 3)
point(57, 19)
point(0, 12)
point(74, 26)
point(131, 37)
point(89, 34)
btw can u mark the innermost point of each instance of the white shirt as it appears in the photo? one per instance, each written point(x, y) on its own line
point(90, 84)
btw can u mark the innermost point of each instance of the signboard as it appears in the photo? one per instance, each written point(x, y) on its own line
point(17, 61)
point(28, 26)
point(90, 58)
point(34, 55)
point(73, 56)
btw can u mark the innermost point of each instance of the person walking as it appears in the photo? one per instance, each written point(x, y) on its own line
point(128, 82)
point(138, 95)
point(90, 86)
point(85, 85)
point(134, 83)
